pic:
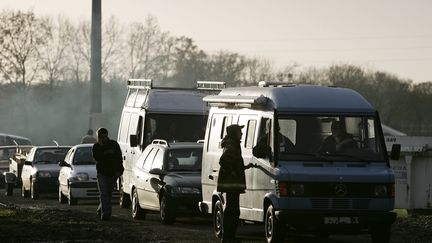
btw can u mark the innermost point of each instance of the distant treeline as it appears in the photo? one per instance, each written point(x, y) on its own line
point(45, 70)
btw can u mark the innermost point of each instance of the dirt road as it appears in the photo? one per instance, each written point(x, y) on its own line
point(45, 220)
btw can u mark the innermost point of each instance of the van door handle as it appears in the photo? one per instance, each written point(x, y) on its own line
point(210, 177)
point(124, 157)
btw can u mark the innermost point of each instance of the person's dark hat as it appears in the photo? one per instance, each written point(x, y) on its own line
point(232, 129)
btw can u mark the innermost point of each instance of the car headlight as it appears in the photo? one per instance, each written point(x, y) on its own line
point(43, 174)
point(186, 190)
point(285, 189)
point(380, 191)
point(81, 176)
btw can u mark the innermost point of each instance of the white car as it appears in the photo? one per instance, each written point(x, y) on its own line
point(40, 170)
point(78, 176)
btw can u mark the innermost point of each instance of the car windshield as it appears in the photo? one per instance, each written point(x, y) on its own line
point(83, 156)
point(6, 153)
point(50, 155)
point(328, 138)
point(186, 159)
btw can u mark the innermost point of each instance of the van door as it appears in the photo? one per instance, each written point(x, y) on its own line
point(248, 140)
point(216, 130)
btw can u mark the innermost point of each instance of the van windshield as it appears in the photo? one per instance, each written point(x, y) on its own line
point(175, 127)
point(328, 138)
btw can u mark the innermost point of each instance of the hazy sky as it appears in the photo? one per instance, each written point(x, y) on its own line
point(389, 35)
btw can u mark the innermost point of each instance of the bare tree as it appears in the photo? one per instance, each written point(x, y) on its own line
point(21, 35)
point(112, 49)
point(227, 66)
point(80, 52)
point(53, 55)
point(148, 50)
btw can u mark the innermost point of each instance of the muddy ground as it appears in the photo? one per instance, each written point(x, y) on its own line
point(45, 220)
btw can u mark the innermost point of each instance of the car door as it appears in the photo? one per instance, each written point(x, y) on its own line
point(65, 171)
point(142, 177)
point(27, 170)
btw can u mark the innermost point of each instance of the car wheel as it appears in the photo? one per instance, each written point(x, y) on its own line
point(218, 219)
point(24, 192)
point(62, 197)
point(137, 211)
point(381, 234)
point(167, 212)
point(273, 227)
point(34, 193)
point(124, 200)
point(71, 200)
point(9, 189)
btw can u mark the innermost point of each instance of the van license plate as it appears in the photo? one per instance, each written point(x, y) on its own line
point(341, 220)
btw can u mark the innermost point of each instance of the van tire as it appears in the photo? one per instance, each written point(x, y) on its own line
point(124, 200)
point(274, 229)
point(218, 219)
point(137, 211)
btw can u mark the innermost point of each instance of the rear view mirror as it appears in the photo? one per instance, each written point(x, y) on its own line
point(395, 152)
point(133, 140)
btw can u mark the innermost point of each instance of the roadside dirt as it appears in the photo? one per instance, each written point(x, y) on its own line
point(45, 220)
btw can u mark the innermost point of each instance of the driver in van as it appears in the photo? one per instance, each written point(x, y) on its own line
point(339, 141)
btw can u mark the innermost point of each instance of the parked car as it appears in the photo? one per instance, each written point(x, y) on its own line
point(167, 178)
point(78, 176)
point(40, 171)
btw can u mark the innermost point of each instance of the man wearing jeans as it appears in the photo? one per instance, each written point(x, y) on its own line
point(109, 167)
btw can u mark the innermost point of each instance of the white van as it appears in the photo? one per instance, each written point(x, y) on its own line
point(171, 114)
point(297, 181)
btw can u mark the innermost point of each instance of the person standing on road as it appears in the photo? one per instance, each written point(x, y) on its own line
point(88, 138)
point(109, 167)
point(231, 180)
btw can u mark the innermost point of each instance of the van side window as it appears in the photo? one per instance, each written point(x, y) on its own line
point(250, 133)
point(124, 127)
point(139, 130)
point(264, 147)
point(158, 161)
point(130, 100)
point(226, 122)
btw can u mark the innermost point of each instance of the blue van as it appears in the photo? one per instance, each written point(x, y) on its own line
point(322, 165)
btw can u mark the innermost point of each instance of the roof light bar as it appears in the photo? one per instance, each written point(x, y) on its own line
point(247, 101)
point(210, 85)
point(275, 84)
point(161, 142)
point(140, 83)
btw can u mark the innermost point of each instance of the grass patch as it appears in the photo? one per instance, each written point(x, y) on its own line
point(7, 212)
point(401, 213)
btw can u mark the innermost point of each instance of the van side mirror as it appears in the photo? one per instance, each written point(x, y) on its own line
point(133, 140)
point(63, 163)
point(157, 171)
point(395, 152)
point(28, 163)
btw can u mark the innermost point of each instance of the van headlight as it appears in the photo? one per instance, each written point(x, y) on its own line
point(81, 176)
point(186, 190)
point(43, 174)
point(296, 190)
point(380, 191)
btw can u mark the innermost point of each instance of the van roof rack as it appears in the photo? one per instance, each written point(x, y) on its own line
point(161, 142)
point(275, 84)
point(239, 100)
point(140, 83)
point(211, 85)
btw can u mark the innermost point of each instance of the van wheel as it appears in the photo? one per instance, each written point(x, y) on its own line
point(274, 229)
point(137, 211)
point(24, 192)
point(62, 197)
point(381, 234)
point(167, 212)
point(124, 200)
point(34, 193)
point(218, 219)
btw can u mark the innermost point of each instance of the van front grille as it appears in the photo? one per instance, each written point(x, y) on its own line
point(339, 203)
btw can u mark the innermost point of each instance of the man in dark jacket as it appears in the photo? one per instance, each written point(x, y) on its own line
point(109, 167)
point(339, 142)
point(231, 180)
